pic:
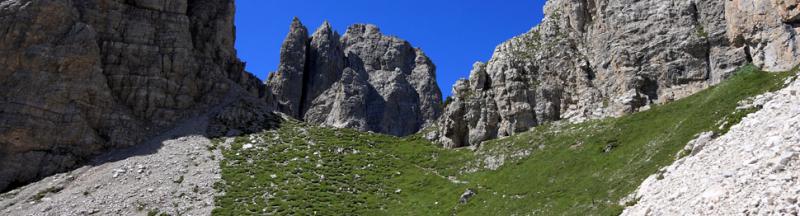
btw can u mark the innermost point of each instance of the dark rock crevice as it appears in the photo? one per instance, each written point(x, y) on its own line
point(305, 85)
point(748, 54)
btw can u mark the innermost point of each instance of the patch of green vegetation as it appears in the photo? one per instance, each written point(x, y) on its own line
point(554, 18)
point(701, 31)
point(305, 170)
point(684, 153)
point(554, 169)
point(156, 212)
point(531, 43)
point(557, 179)
point(632, 202)
point(41, 194)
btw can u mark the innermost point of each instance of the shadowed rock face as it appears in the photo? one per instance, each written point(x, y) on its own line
point(362, 80)
point(597, 58)
point(82, 77)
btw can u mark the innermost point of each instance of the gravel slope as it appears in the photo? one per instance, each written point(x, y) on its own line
point(752, 170)
point(173, 173)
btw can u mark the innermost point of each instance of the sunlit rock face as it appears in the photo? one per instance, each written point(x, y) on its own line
point(363, 80)
point(767, 28)
point(590, 59)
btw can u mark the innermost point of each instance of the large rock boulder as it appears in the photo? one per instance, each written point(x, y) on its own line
point(362, 80)
point(82, 77)
point(592, 59)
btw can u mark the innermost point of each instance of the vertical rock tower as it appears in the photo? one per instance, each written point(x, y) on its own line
point(362, 80)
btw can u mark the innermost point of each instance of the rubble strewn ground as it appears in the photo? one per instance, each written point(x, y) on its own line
point(172, 174)
point(752, 170)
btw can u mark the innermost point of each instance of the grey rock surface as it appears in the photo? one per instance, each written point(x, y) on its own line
point(362, 80)
point(751, 170)
point(242, 115)
point(767, 29)
point(173, 173)
point(595, 59)
point(82, 77)
point(286, 82)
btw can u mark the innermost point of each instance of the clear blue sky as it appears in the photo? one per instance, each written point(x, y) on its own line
point(454, 33)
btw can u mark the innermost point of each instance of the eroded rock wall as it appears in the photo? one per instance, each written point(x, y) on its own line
point(768, 29)
point(82, 77)
point(598, 58)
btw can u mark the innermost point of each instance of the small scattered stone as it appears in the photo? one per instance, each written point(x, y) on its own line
point(466, 196)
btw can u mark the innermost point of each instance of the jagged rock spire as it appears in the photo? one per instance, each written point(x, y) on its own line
point(395, 91)
point(287, 82)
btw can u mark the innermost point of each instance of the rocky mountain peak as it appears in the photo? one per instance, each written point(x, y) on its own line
point(325, 30)
point(325, 25)
point(363, 29)
point(319, 81)
point(296, 24)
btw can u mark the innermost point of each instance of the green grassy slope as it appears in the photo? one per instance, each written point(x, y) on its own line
point(557, 169)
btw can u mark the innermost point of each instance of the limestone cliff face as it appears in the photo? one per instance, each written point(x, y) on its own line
point(362, 80)
point(768, 29)
point(82, 77)
point(598, 58)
